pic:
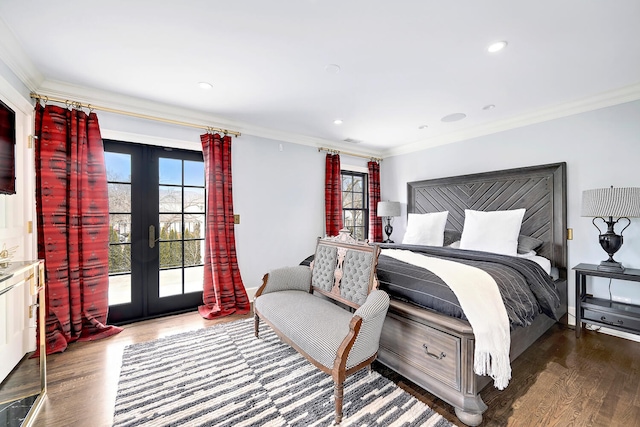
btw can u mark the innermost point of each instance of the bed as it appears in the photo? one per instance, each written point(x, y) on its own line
point(435, 350)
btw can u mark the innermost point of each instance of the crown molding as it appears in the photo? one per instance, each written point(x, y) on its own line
point(12, 54)
point(142, 106)
point(602, 100)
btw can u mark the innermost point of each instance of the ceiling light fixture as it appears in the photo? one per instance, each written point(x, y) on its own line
point(337, 122)
point(205, 85)
point(423, 126)
point(489, 107)
point(332, 68)
point(497, 46)
point(453, 117)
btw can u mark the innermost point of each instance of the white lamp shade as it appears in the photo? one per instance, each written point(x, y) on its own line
point(388, 208)
point(611, 202)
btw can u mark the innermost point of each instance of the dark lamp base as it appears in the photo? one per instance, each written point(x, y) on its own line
point(611, 266)
point(388, 241)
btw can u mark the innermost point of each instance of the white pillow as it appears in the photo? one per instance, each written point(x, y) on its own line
point(495, 231)
point(425, 229)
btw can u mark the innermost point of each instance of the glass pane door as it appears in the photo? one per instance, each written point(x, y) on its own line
point(181, 218)
point(157, 224)
point(119, 184)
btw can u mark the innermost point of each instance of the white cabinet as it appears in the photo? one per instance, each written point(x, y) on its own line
point(22, 288)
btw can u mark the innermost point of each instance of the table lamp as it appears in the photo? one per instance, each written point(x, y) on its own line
point(620, 203)
point(388, 210)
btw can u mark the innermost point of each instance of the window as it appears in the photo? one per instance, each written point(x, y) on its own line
point(355, 203)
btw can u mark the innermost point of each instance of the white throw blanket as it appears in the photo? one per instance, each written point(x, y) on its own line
point(481, 302)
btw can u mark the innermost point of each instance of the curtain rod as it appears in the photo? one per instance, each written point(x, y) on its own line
point(76, 104)
point(332, 150)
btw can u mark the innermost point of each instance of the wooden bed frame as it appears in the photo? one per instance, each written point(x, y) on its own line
point(436, 351)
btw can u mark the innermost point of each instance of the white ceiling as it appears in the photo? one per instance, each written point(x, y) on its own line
point(403, 63)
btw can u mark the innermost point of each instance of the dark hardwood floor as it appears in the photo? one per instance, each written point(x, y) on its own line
point(560, 381)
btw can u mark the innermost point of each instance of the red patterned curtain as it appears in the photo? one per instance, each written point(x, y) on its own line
point(375, 222)
point(224, 291)
point(333, 195)
point(73, 225)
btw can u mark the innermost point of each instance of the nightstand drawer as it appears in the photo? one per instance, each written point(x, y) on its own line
point(613, 319)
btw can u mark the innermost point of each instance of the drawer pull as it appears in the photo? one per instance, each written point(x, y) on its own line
point(608, 322)
point(442, 354)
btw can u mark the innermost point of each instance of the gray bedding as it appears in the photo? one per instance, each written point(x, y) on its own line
point(526, 289)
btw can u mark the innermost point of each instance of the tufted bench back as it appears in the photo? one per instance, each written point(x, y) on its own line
point(344, 269)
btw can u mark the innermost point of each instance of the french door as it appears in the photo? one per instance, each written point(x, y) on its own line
point(157, 223)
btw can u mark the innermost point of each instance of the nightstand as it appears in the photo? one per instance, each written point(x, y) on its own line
point(603, 312)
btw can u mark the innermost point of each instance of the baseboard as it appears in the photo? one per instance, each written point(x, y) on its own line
point(251, 293)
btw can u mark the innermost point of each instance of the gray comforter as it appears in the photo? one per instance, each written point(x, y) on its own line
point(526, 289)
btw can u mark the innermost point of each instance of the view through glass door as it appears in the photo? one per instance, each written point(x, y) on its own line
point(157, 224)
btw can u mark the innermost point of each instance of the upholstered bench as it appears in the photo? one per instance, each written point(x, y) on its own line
point(331, 312)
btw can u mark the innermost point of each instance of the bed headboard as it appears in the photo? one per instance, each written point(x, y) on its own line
point(541, 190)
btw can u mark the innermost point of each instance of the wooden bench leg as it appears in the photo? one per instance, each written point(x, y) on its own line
point(338, 394)
point(256, 325)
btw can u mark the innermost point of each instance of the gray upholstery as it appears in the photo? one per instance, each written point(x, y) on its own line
point(314, 324)
point(373, 313)
point(289, 278)
point(319, 326)
point(356, 270)
point(324, 265)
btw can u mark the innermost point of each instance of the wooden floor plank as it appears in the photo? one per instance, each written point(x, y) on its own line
point(559, 381)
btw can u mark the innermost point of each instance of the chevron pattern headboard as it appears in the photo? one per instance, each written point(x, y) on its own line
point(541, 190)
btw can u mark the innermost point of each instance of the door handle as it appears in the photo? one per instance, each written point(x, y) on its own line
point(152, 236)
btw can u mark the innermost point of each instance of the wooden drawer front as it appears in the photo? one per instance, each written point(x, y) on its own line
point(427, 349)
point(612, 319)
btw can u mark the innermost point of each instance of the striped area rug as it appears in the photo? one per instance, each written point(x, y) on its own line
point(224, 376)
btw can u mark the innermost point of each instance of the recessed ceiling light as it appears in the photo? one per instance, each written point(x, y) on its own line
point(332, 68)
point(423, 126)
point(497, 46)
point(489, 107)
point(337, 122)
point(453, 117)
point(205, 85)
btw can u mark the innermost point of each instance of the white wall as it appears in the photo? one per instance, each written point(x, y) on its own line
point(280, 198)
point(601, 148)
